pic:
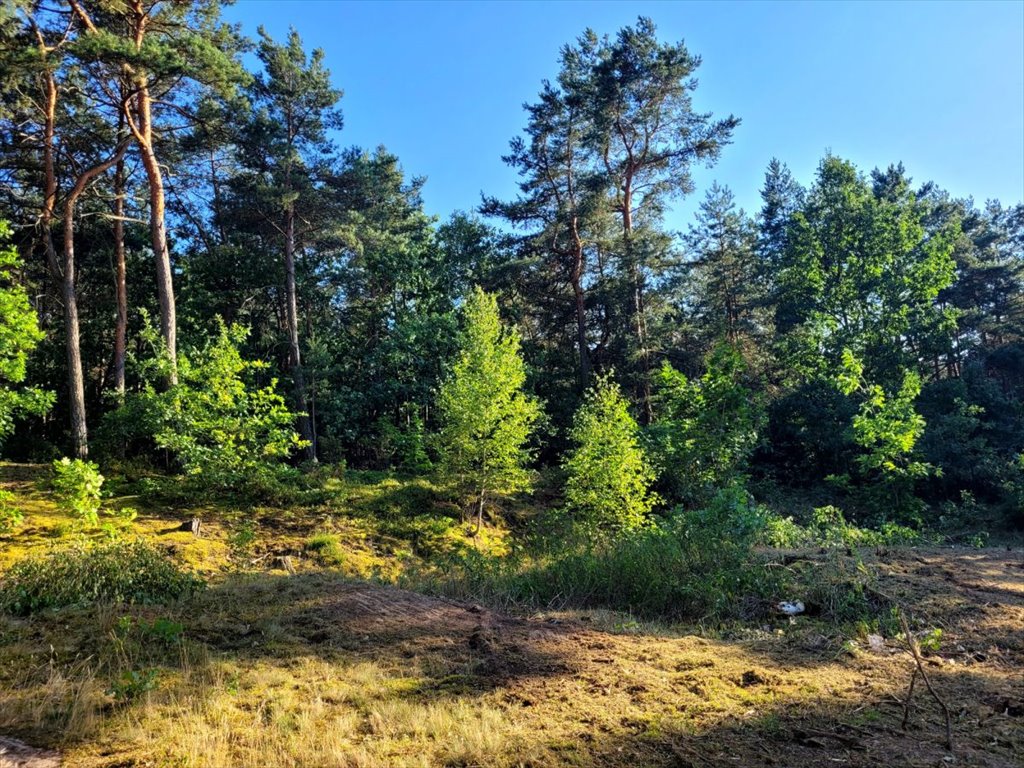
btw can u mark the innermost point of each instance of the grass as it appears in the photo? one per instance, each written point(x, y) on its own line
point(320, 666)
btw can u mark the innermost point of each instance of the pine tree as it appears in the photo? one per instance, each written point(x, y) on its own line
point(608, 487)
point(288, 158)
point(724, 271)
point(781, 197)
point(487, 418)
point(648, 137)
point(159, 51)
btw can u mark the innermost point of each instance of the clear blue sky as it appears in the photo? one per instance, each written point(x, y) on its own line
point(937, 85)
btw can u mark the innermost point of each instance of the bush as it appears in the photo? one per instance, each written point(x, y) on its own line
point(829, 528)
point(706, 430)
point(10, 515)
point(82, 572)
point(227, 432)
point(77, 485)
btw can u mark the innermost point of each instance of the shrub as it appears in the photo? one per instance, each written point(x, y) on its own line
point(10, 515)
point(241, 541)
point(19, 335)
point(406, 443)
point(77, 485)
point(228, 433)
point(829, 528)
point(133, 684)
point(886, 428)
point(706, 430)
point(695, 564)
point(82, 572)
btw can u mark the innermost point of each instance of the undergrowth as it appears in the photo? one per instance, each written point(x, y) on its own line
point(79, 572)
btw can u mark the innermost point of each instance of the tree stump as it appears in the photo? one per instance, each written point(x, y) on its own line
point(194, 526)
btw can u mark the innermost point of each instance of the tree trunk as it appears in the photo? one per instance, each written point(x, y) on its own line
point(120, 283)
point(49, 176)
point(157, 227)
point(479, 513)
point(581, 305)
point(638, 304)
point(76, 378)
point(294, 352)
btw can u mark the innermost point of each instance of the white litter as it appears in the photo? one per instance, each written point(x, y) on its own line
point(790, 608)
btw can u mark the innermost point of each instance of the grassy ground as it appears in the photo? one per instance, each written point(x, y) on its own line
point(300, 662)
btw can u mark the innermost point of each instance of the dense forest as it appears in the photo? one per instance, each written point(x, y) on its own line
point(175, 218)
point(209, 299)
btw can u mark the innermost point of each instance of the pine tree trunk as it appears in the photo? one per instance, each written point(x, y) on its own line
point(49, 176)
point(157, 228)
point(640, 321)
point(76, 377)
point(294, 352)
point(581, 307)
point(120, 283)
point(76, 380)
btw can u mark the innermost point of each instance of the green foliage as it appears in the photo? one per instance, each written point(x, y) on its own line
point(241, 541)
point(11, 515)
point(327, 548)
point(608, 483)
point(723, 275)
point(486, 417)
point(705, 431)
point(692, 565)
point(860, 272)
point(828, 527)
point(974, 436)
point(133, 684)
point(887, 429)
point(82, 572)
point(228, 432)
point(407, 442)
point(78, 487)
point(19, 335)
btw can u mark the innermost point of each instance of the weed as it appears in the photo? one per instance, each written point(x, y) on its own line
point(11, 515)
point(327, 548)
point(132, 684)
point(241, 541)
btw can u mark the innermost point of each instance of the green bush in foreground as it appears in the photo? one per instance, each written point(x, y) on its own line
point(608, 477)
point(77, 486)
point(829, 528)
point(82, 572)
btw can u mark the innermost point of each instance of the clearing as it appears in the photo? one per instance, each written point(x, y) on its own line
point(310, 667)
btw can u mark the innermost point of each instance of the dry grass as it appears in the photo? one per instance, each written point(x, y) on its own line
point(315, 669)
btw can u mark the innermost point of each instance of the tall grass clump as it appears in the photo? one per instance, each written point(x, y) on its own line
point(80, 572)
point(692, 564)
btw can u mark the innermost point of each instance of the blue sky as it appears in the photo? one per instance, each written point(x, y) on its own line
point(937, 85)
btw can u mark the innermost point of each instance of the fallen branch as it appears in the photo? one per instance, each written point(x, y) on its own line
point(915, 651)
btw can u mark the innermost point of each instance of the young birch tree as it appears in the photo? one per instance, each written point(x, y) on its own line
point(487, 418)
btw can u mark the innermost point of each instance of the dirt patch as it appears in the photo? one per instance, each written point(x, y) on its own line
point(17, 754)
